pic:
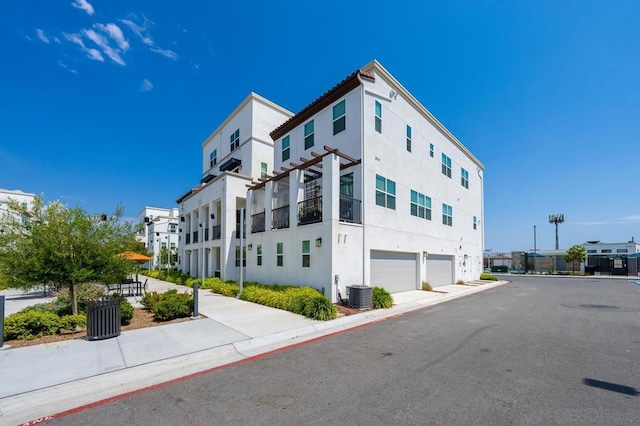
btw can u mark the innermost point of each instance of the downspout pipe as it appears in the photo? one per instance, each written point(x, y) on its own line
point(362, 179)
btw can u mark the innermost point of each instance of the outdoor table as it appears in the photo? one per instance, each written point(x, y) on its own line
point(137, 286)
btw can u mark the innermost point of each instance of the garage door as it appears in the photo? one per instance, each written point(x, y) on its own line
point(393, 271)
point(439, 270)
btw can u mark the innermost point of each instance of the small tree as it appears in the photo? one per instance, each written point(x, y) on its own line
point(575, 254)
point(61, 246)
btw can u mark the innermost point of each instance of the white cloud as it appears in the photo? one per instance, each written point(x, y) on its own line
point(90, 52)
point(42, 36)
point(63, 65)
point(145, 86)
point(114, 31)
point(57, 40)
point(617, 220)
point(103, 43)
point(140, 31)
point(167, 53)
point(84, 5)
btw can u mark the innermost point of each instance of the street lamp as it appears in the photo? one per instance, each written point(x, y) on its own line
point(534, 248)
point(556, 218)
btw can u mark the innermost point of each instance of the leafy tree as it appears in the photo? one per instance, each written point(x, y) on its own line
point(575, 254)
point(60, 246)
point(163, 256)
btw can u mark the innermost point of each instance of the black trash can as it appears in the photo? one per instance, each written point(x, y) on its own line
point(360, 296)
point(103, 317)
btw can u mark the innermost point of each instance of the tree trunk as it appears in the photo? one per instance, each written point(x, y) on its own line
point(72, 296)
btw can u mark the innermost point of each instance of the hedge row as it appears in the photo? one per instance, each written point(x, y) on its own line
point(489, 277)
point(168, 305)
point(31, 324)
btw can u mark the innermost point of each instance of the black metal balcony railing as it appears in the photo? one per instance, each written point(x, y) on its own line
point(257, 222)
point(350, 210)
point(280, 217)
point(195, 237)
point(187, 238)
point(216, 232)
point(206, 234)
point(238, 231)
point(310, 211)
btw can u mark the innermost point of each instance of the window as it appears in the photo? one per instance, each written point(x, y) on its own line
point(263, 170)
point(592, 251)
point(420, 205)
point(244, 256)
point(431, 150)
point(378, 119)
point(172, 227)
point(346, 185)
point(306, 253)
point(308, 135)
point(213, 158)
point(408, 138)
point(173, 246)
point(475, 222)
point(279, 254)
point(447, 215)
point(259, 254)
point(385, 192)
point(606, 251)
point(234, 139)
point(622, 251)
point(164, 244)
point(339, 117)
point(285, 148)
point(464, 178)
point(446, 165)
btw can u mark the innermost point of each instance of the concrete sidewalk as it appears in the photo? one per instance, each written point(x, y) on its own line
point(40, 381)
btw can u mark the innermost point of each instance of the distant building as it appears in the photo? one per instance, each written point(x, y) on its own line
point(158, 228)
point(605, 257)
point(24, 198)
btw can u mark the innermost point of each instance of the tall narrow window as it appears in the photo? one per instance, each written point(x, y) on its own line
point(378, 117)
point(408, 138)
point(213, 158)
point(259, 254)
point(280, 254)
point(431, 150)
point(446, 165)
point(464, 178)
point(244, 256)
point(475, 222)
point(385, 192)
point(263, 170)
point(339, 117)
point(234, 140)
point(447, 215)
point(285, 148)
point(306, 253)
point(308, 135)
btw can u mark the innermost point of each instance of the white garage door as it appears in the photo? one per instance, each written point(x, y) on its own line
point(439, 270)
point(393, 271)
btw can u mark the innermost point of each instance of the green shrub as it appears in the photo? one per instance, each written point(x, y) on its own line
point(151, 298)
point(489, 277)
point(381, 298)
point(320, 308)
point(31, 325)
point(84, 292)
point(214, 284)
point(126, 311)
point(41, 307)
point(426, 286)
point(460, 282)
point(173, 305)
point(305, 301)
point(72, 322)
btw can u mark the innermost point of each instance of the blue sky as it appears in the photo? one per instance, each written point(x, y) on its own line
point(106, 102)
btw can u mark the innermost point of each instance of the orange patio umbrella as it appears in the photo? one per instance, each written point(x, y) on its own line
point(132, 255)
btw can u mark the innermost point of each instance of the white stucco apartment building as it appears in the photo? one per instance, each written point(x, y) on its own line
point(237, 152)
point(24, 198)
point(362, 186)
point(376, 190)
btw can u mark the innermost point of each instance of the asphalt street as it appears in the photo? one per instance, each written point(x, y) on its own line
point(537, 351)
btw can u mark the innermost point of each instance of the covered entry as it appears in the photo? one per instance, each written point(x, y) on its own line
point(394, 271)
point(439, 270)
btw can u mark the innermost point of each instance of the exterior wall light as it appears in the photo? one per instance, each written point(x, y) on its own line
point(249, 247)
point(318, 242)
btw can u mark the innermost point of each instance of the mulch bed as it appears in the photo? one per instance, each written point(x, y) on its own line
point(346, 311)
point(142, 318)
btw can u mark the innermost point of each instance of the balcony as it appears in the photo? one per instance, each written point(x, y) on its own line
point(195, 237)
point(280, 217)
point(350, 210)
point(310, 211)
point(238, 230)
point(257, 222)
point(206, 234)
point(187, 238)
point(216, 232)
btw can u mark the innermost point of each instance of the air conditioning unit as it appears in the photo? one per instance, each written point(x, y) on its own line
point(360, 296)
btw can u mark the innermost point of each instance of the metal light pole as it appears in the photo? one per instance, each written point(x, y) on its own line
point(534, 249)
point(241, 249)
point(196, 314)
point(168, 254)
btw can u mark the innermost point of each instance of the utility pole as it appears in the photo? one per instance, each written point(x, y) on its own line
point(556, 218)
point(535, 248)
